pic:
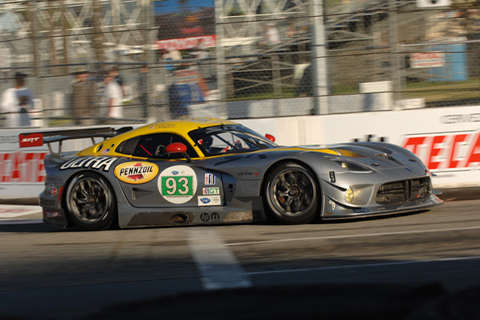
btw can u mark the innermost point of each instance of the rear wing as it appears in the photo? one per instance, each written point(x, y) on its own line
point(38, 139)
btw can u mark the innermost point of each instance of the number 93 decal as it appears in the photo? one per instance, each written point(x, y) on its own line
point(177, 184)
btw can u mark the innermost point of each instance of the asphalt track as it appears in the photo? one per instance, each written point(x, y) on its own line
point(417, 266)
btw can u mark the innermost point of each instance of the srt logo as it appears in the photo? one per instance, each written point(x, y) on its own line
point(26, 140)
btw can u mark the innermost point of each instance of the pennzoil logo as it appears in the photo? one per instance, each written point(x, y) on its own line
point(136, 172)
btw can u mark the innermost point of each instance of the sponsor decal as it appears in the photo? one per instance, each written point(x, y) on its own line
point(361, 210)
point(205, 217)
point(30, 140)
point(162, 126)
point(211, 190)
point(136, 172)
point(248, 174)
point(52, 190)
point(332, 204)
point(52, 214)
point(210, 179)
point(448, 151)
point(177, 184)
point(22, 167)
point(97, 163)
point(209, 201)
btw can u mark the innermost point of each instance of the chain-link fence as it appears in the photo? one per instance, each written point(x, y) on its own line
point(157, 60)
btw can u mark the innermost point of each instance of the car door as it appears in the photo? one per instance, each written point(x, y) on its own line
point(163, 181)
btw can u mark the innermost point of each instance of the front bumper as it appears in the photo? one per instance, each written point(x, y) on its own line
point(335, 206)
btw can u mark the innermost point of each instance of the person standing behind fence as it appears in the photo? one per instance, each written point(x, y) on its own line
point(112, 97)
point(82, 98)
point(119, 79)
point(16, 102)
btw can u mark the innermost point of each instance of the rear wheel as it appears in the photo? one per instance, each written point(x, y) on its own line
point(90, 202)
point(291, 193)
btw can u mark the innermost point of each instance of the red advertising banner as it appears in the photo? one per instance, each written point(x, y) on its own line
point(19, 167)
point(456, 150)
point(427, 59)
point(187, 43)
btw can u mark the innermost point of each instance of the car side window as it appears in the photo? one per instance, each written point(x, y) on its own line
point(155, 146)
point(127, 146)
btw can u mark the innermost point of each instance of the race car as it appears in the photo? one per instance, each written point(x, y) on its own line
point(210, 171)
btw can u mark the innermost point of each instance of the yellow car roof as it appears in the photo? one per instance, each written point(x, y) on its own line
point(181, 127)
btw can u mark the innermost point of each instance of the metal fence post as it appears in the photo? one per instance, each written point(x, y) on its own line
point(319, 60)
point(395, 55)
point(220, 55)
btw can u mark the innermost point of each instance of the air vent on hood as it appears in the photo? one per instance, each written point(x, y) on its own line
point(382, 155)
point(388, 157)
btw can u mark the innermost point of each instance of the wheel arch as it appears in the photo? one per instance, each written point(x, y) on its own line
point(115, 223)
point(299, 162)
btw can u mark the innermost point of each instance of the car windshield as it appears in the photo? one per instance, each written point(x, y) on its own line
point(229, 139)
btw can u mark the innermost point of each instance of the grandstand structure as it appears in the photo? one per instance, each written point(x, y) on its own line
point(73, 31)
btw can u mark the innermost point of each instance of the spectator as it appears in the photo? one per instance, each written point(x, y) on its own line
point(112, 97)
point(82, 98)
point(16, 102)
point(306, 83)
point(271, 36)
point(292, 29)
point(119, 79)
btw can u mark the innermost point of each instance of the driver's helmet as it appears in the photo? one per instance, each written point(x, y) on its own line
point(207, 142)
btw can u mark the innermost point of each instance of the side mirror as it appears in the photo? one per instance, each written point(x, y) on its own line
point(270, 137)
point(178, 147)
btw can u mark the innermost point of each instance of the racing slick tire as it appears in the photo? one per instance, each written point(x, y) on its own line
point(291, 193)
point(90, 202)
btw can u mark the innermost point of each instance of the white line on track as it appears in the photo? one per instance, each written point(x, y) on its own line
point(351, 236)
point(218, 266)
point(370, 265)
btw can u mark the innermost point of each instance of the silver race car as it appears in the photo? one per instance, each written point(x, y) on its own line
point(211, 171)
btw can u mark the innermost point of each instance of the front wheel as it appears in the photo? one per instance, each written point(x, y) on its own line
point(291, 193)
point(90, 202)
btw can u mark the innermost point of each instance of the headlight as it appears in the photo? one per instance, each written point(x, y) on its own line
point(351, 166)
point(349, 195)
